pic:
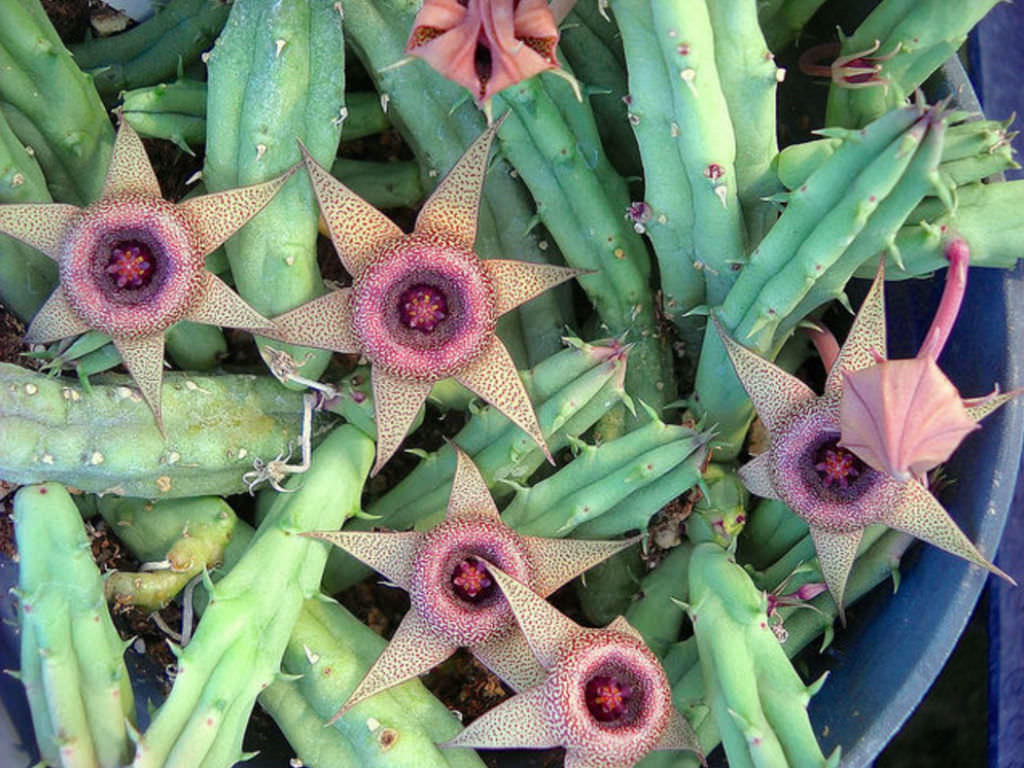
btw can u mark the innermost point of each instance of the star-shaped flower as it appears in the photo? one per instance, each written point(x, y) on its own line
point(455, 600)
point(131, 264)
point(485, 45)
point(422, 306)
point(827, 485)
point(605, 697)
point(904, 417)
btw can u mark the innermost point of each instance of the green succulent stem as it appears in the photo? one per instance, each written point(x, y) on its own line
point(276, 75)
point(155, 50)
point(72, 662)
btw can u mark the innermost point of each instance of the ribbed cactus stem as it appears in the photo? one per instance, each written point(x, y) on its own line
point(236, 649)
point(277, 74)
point(71, 655)
point(757, 699)
point(103, 440)
point(41, 80)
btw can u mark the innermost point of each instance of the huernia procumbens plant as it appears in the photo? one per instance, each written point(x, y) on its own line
point(132, 264)
point(455, 599)
point(422, 306)
point(635, 129)
point(810, 465)
point(605, 697)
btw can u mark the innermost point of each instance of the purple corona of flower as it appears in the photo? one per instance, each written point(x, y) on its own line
point(422, 306)
point(132, 264)
point(604, 697)
point(455, 599)
point(808, 465)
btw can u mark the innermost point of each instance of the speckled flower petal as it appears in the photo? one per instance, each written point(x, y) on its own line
point(144, 359)
point(921, 515)
point(493, 376)
point(980, 407)
point(222, 306)
point(55, 320)
point(836, 553)
point(390, 554)
point(453, 207)
point(516, 282)
point(357, 228)
point(41, 225)
point(509, 657)
point(517, 722)
point(679, 735)
point(575, 760)
point(395, 404)
point(325, 323)
point(865, 340)
point(621, 623)
point(469, 497)
point(130, 171)
point(216, 217)
point(757, 478)
point(559, 560)
point(546, 628)
point(413, 650)
point(775, 393)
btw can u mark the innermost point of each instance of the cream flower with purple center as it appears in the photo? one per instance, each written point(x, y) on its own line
point(809, 467)
point(132, 264)
point(455, 599)
point(423, 306)
point(604, 697)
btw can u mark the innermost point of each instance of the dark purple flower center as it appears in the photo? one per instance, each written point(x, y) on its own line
point(131, 264)
point(421, 307)
point(607, 698)
point(861, 77)
point(837, 467)
point(471, 581)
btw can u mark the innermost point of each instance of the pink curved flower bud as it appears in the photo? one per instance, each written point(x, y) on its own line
point(902, 417)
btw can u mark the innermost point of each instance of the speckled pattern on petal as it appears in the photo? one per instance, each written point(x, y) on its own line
point(865, 339)
point(470, 496)
point(836, 553)
point(493, 376)
point(130, 171)
point(395, 405)
point(413, 650)
point(357, 228)
point(565, 559)
point(215, 217)
point(454, 205)
point(220, 305)
point(508, 656)
point(390, 554)
point(325, 322)
point(144, 359)
point(516, 282)
point(56, 319)
point(517, 722)
point(774, 392)
point(921, 515)
point(40, 225)
point(547, 630)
